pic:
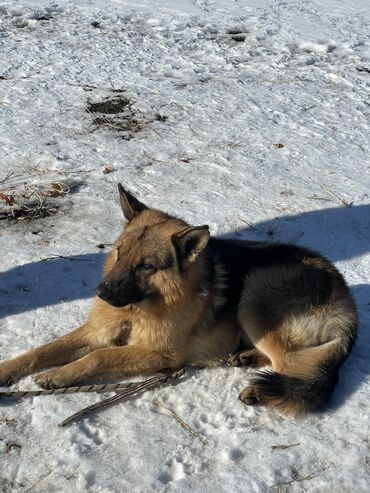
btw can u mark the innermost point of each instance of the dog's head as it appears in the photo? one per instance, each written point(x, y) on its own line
point(153, 257)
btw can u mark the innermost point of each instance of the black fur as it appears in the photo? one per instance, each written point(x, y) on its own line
point(242, 257)
point(308, 394)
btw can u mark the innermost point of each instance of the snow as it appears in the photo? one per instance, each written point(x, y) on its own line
point(301, 79)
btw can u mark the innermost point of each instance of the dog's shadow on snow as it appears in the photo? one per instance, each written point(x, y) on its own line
point(49, 282)
point(341, 234)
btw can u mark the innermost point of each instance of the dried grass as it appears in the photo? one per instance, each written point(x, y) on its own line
point(31, 201)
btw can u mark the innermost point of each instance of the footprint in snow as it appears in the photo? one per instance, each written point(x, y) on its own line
point(236, 454)
point(86, 436)
point(173, 471)
point(91, 432)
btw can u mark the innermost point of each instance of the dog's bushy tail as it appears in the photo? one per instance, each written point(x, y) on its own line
point(307, 383)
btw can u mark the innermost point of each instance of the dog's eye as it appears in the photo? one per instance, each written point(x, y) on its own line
point(145, 266)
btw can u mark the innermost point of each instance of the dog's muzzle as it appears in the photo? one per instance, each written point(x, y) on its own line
point(113, 294)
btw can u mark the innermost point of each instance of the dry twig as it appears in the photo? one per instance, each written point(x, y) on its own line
point(307, 108)
point(297, 480)
point(54, 257)
point(130, 390)
point(8, 175)
point(8, 421)
point(283, 447)
point(343, 202)
point(192, 130)
point(316, 197)
point(250, 225)
point(153, 158)
point(182, 422)
point(273, 227)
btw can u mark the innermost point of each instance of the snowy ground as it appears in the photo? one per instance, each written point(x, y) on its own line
point(206, 112)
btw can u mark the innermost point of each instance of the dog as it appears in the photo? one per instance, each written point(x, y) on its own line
point(172, 295)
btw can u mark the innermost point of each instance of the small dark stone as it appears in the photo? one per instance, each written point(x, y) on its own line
point(161, 118)
point(239, 37)
point(234, 31)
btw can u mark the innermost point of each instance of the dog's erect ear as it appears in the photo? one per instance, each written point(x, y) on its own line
point(190, 242)
point(131, 207)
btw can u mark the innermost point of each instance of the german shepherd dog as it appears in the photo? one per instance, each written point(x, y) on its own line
point(172, 296)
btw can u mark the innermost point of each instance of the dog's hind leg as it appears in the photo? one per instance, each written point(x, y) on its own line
point(303, 319)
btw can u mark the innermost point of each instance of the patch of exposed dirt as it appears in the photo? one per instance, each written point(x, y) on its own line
point(117, 113)
point(123, 124)
point(109, 106)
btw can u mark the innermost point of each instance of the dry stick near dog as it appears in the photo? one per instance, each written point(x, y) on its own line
point(140, 387)
point(111, 400)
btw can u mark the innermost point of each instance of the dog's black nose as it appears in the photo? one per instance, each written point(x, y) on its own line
point(103, 290)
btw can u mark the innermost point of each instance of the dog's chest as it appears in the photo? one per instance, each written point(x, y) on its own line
point(147, 334)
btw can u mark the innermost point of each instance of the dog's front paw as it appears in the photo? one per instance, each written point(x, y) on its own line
point(8, 373)
point(51, 379)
